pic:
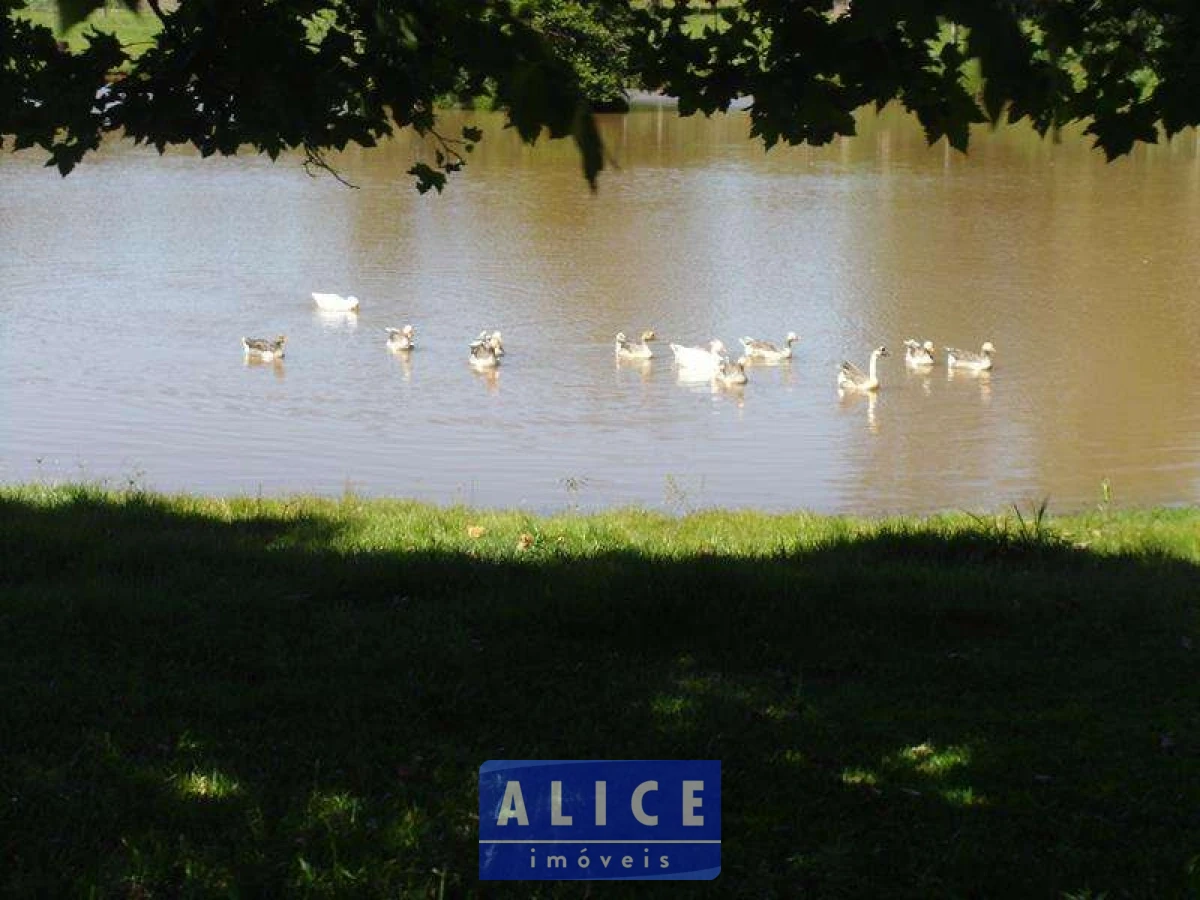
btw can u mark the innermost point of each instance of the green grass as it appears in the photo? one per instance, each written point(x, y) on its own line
point(206, 697)
point(136, 31)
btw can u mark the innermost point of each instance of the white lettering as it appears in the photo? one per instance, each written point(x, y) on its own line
point(556, 816)
point(692, 802)
point(513, 805)
point(636, 804)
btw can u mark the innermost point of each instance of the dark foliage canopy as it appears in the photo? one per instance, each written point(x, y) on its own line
point(273, 75)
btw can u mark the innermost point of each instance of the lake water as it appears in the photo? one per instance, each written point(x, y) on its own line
point(129, 285)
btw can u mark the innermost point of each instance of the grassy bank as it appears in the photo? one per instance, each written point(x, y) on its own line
point(206, 697)
point(136, 31)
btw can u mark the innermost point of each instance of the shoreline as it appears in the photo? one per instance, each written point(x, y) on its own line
point(578, 505)
point(749, 529)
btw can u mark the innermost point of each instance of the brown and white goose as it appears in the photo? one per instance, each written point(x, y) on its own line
point(852, 378)
point(261, 348)
point(768, 352)
point(967, 359)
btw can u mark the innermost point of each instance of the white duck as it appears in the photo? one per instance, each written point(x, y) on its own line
point(401, 338)
point(627, 349)
point(918, 355)
point(261, 348)
point(700, 357)
point(731, 374)
point(335, 302)
point(852, 378)
point(966, 359)
point(485, 354)
point(767, 351)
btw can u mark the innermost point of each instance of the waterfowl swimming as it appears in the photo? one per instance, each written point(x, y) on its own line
point(852, 378)
point(261, 348)
point(627, 349)
point(966, 359)
point(400, 338)
point(492, 338)
point(767, 351)
point(700, 357)
point(335, 302)
point(731, 374)
point(917, 354)
point(485, 354)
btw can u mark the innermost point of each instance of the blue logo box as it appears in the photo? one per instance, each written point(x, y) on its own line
point(630, 819)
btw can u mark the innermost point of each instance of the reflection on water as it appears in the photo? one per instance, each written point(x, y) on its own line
point(404, 361)
point(854, 402)
point(982, 379)
point(275, 365)
point(1083, 274)
point(489, 378)
point(347, 320)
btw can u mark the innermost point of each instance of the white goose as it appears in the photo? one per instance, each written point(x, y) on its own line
point(335, 302)
point(852, 378)
point(261, 348)
point(966, 359)
point(767, 351)
point(485, 354)
point(700, 357)
point(731, 374)
point(918, 355)
point(401, 338)
point(627, 349)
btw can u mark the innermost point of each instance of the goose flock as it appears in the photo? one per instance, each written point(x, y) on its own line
point(709, 362)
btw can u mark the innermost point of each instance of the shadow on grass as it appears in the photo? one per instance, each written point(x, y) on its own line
point(197, 704)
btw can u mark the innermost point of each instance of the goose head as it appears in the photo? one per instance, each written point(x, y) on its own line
point(928, 346)
point(620, 337)
point(716, 346)
point(987, 348)
point(648, 336)
point(791, 338)
point(881, 351)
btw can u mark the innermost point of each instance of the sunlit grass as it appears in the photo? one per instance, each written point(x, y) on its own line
point(928, 760)
point(212, 785)
point(135, 31)
point(860, 777)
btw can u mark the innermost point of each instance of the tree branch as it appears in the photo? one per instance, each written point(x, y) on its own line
point(313, 159)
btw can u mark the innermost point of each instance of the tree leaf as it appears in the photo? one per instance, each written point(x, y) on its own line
point(587, 139)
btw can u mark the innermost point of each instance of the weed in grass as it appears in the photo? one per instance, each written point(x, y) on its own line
point(678, 495)
point(1033, 530)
